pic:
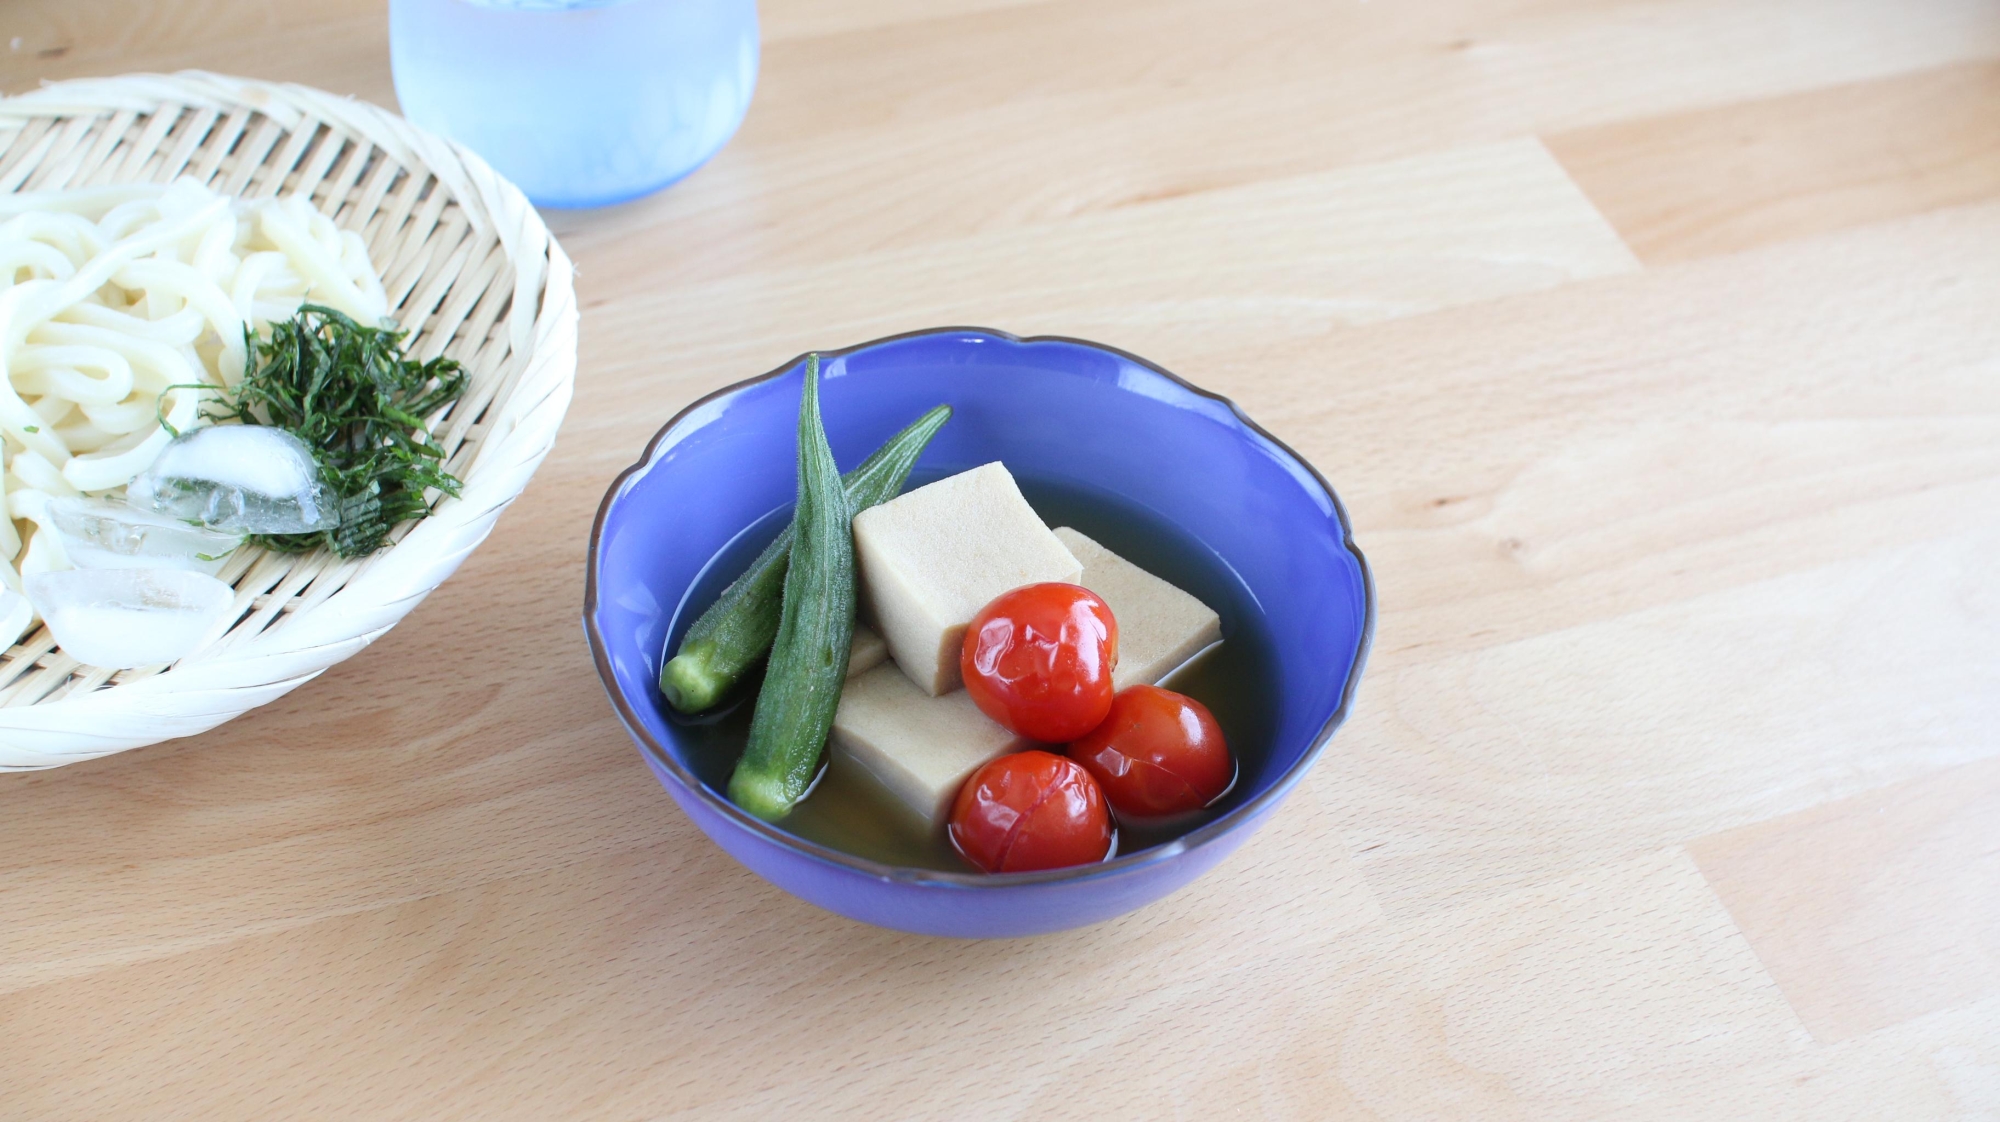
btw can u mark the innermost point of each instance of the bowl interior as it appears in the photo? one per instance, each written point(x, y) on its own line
point(1068, 418)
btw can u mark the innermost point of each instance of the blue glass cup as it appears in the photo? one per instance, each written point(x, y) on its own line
point(580, 102)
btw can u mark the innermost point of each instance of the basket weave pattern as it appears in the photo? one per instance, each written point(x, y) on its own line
point(470, 270)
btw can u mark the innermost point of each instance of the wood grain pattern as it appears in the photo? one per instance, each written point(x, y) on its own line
point(1281, 259)
point(1721, 179)
point(1874, 909)
point(1036, 115)
point(1653, 348)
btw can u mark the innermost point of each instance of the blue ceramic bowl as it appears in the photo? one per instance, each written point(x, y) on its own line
point(1059, 411)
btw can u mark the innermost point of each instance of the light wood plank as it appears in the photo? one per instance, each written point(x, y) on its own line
point(604, 952)
point(335, 44)
point(1160, 100)
point(1632, 960)
point(1599, 435)
point(971, 92)
point(1874, 909)
point(1557, 1002)
point(1728, 178)
point(782, 21)
point(1275, 260)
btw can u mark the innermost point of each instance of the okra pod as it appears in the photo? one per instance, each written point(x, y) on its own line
point(816, 625)
point(738, 628)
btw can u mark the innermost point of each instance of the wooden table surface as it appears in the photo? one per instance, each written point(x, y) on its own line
point(1656, 350)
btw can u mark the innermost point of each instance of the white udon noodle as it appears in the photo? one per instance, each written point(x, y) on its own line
point(110, 298)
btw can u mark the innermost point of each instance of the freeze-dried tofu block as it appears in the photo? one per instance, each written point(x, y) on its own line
point(866, 652)
point(930, 559)
point(918, 747)
point(1159, 626)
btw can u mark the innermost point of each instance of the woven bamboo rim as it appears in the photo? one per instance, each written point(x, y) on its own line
point(470, 269)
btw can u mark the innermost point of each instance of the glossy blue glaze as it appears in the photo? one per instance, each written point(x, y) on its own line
point(1055, 409)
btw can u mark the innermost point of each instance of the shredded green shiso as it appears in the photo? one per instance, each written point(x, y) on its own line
point(348, 392)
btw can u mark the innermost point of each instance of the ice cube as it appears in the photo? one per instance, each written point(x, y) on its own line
point(249, 479)
point(104, 535)
point(15, 616)
point(122, 618)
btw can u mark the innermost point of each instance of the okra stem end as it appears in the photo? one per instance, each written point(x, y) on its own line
point(690, 683)
point(762, 795)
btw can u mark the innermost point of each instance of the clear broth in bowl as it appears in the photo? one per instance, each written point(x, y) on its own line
point(851, 813)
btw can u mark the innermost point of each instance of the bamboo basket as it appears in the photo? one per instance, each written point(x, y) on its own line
point(470, 270)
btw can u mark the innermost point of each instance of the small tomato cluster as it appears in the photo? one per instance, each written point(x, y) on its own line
point(1039, 660)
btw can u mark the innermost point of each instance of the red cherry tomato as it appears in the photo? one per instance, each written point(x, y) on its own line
point(1157, 753)
point(1030, 810)
point(1039, 660)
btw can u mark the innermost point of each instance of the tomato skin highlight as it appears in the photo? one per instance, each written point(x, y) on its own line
point(1030, 810)
point(1157, 753)
point(1039, 660)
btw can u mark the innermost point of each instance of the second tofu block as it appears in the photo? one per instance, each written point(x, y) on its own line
point(866, 652)
point(930, 559)
point(920, 748)
point(1159, 626)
